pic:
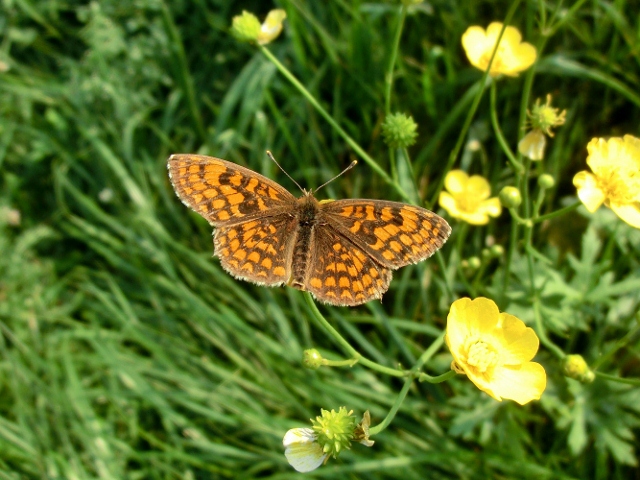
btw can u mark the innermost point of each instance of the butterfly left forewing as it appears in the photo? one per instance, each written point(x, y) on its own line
point(393, 233)
point(223, 192)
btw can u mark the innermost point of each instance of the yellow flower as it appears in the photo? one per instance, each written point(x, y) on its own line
point(247, 27)
point(468, 199)
point(494, 350)
point(512, 57)
point(615, 180)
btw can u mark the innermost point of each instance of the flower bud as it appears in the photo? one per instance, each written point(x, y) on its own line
point(312, 359)
point(246, 27)
point(399, 130)
point(510, 197)
point(546, 181)
point(575, 367)
point(497, 250)
point(474, 263)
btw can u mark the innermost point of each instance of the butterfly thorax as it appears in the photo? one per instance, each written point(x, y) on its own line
point(307, 218)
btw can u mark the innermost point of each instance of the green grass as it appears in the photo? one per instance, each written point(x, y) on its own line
point(126, 351)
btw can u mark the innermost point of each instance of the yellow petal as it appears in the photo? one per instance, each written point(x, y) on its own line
point(456, 181)
point(520, 342)
point(521, 384)
point(272, 26)
point(472, 317)
point(493, 30)
point(532, 145)
point(478, 187)
point(630, 213)
point(475, 218)
point(301, 449)
point(491, 207)
point(589, 192)
point(511, 35)
point(447, 202)
point(473, 42)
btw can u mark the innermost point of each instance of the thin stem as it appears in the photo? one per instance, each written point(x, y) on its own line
point(472, 111)
point(620, 343)
point(388, 79)
point(424, 358)
point(429, 352)
point(352, 143)
point(423, 377)
point(322, 322)
point(517, 166)
point(557, 213)
point(628, 381)
point(542, 334)
point(394, 408)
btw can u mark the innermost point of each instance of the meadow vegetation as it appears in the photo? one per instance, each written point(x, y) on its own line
point(127, 352)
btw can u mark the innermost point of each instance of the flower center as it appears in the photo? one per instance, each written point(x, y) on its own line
point(621, 186)
point(482, 356)
point(468, 202)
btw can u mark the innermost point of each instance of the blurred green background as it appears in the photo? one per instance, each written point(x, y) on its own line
point(125, 350)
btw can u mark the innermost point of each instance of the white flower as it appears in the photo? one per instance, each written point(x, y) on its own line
point(302, 450)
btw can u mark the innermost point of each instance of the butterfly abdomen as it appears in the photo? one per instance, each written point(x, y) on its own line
point(307, 217)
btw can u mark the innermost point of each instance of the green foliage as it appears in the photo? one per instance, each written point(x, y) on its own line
point(126, 351)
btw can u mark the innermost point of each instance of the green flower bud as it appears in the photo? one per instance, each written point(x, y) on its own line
point(575, 367)
point(510, 197)
point(334, 430)
point(399, 130)
point(485, 254)
point(312, 359)
point(546, 181)
point(246, 27)
point(497, 250)
point(474, 263)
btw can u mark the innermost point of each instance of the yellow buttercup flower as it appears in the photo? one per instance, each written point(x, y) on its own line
point(614, 178)
point(494, 350)
point(247, 27)
point(513, 55)
point(467, 198)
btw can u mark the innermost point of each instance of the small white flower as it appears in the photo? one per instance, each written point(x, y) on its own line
point(302, 450)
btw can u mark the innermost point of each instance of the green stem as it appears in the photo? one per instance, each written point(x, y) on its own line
point(628, 381)
point(322, 322)
point(424, 358)
point(472, 111)
point(542, 334)
point(517, 166)
point(394, 408)
point(423, 377)
point(557, 213)
point(620, 343)
point(352, 143)
point(388, 79)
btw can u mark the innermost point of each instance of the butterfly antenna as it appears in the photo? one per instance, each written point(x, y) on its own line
point(353, 164)
point(285, 172)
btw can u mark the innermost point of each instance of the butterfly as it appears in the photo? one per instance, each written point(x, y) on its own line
point(342, 251)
